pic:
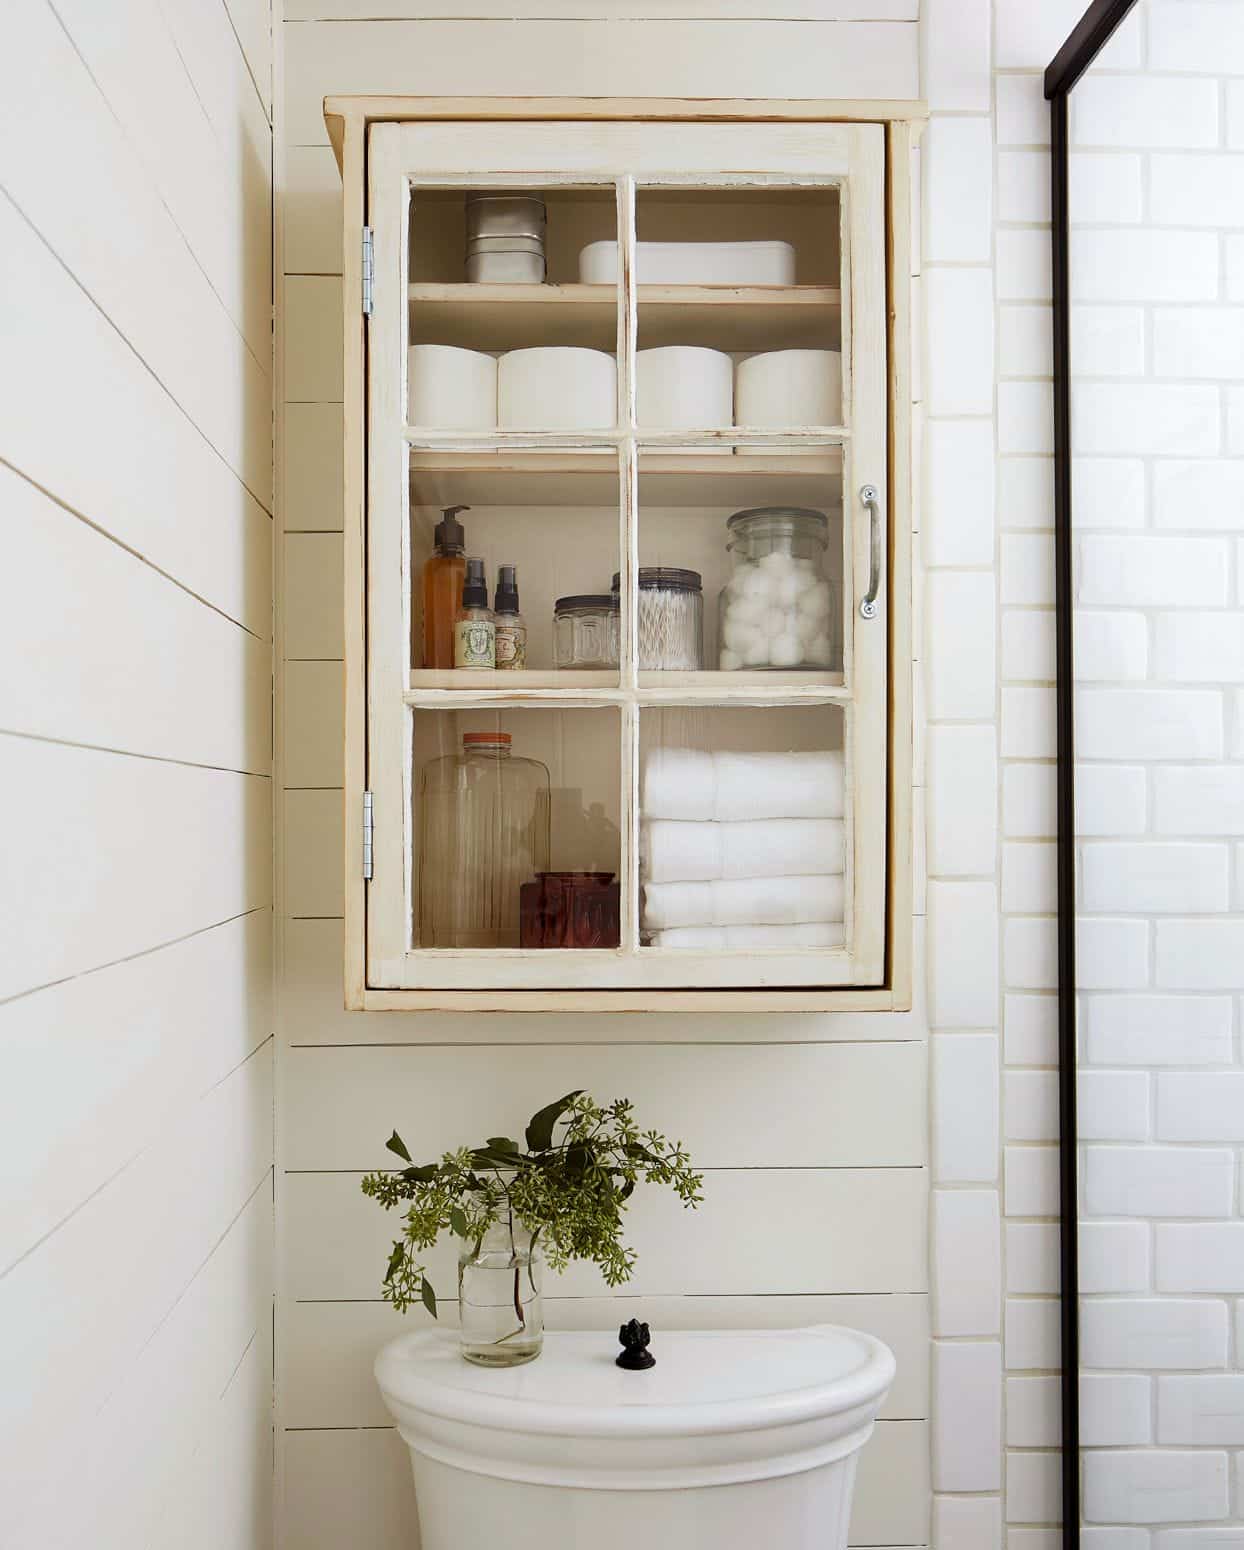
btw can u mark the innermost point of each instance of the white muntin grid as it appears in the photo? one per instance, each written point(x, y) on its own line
point(635, 692)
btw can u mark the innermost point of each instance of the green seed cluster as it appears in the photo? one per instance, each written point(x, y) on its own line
point(568, 1187)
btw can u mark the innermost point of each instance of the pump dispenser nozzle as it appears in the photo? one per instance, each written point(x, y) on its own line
point(449, 534)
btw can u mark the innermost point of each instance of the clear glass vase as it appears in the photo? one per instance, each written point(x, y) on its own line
point(500, 1301)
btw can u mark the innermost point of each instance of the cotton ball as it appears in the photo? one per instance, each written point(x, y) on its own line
point(815, 602)
point(736, 633)
point(757, 653)
point(749, 610)
point(756, 583)
point(776, 560)
point(785, 651)
point(786, 588)
point(777, 622)
point(820, 651)
point(806, 627)
point(729, 661)
point(806, 581)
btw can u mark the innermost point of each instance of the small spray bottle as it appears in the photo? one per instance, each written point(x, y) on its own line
point(475, 633)
point(511, 628)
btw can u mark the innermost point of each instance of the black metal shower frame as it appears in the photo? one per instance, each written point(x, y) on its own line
point(1090, 35)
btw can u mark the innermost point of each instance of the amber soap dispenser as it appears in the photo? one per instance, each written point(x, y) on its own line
point(443, 576)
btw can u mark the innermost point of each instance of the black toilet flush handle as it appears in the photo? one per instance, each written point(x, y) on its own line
point(635, 1355)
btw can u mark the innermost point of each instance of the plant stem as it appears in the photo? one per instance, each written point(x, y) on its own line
point(518, 1290)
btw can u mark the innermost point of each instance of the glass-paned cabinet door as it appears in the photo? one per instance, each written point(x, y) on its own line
point(626, 607)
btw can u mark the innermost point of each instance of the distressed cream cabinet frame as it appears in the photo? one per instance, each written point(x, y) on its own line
point(868, 146)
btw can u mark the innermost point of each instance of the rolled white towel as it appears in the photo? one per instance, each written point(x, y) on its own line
point(743, 901)
point(672, 851)
point(686, 783)
point(722, 938)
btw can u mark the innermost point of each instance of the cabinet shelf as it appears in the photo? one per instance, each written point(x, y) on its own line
point(724, 317)
point(445, 688)
point(591, 479)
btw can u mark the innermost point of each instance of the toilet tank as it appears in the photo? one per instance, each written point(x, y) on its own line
point(570, 1450)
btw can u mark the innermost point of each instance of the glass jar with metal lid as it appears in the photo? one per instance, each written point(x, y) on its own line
point(779, 609)
point(670, 634)
point(585, 631)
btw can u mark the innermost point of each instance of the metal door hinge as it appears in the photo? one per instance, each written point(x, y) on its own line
point(369, 272)
point(369, 829)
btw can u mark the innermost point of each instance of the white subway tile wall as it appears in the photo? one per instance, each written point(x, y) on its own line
point(1158, 338)
point(982, 546)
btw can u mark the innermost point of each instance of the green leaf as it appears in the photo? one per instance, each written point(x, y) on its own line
point(429, 1296)
point(491, 1157)
point(458, 1221)
point(395, 1261)
point(540, 1130)
point(423, 1174)
point(502, 1144)
point(396, 1144)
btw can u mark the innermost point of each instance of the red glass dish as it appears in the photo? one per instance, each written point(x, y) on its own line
point(570, 909)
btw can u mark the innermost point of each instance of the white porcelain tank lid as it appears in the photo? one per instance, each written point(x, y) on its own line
point(704, 1382)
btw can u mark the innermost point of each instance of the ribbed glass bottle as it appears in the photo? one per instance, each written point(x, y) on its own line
point(483, 833)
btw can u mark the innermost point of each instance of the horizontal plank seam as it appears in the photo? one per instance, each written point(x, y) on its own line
point(606, 21)
point(130, 753)
point(129, 345)
point(246, 64)
point(237, 1366)
point(332, 1173)
point(502, 1047)
point(203, 1263)
point(129, 549)
point(106, 1183)
point(378, 1302)
point(144, 952)
point(154, 185)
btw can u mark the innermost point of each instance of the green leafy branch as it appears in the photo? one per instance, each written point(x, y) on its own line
point(568, 1187)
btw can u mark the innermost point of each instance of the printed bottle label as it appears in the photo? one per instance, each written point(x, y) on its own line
point(511, 646)
point(474, 643)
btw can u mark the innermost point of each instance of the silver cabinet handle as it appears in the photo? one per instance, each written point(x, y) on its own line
point(872, 499)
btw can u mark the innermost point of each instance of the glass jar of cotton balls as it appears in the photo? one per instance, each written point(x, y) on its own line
point(779, 610)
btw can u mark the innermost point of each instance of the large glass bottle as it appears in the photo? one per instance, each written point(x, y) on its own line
point(483, 833)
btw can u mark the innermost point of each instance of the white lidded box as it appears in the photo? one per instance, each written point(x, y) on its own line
point(557, 388)
point(682, 387)
point(692, 263)
point(451, 389)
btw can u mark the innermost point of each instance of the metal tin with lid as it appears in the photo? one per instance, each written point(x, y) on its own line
point(500, 213)
point(505, 238)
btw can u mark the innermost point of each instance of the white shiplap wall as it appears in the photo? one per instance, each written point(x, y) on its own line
point(135, 744)
point(811, 1129)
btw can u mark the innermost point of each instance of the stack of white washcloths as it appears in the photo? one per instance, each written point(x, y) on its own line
point(742, 850)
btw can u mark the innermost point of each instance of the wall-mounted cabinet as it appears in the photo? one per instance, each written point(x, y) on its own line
point(675, 398)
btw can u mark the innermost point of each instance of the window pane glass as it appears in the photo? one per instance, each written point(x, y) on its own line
point(517, 829)
point(744, 829)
